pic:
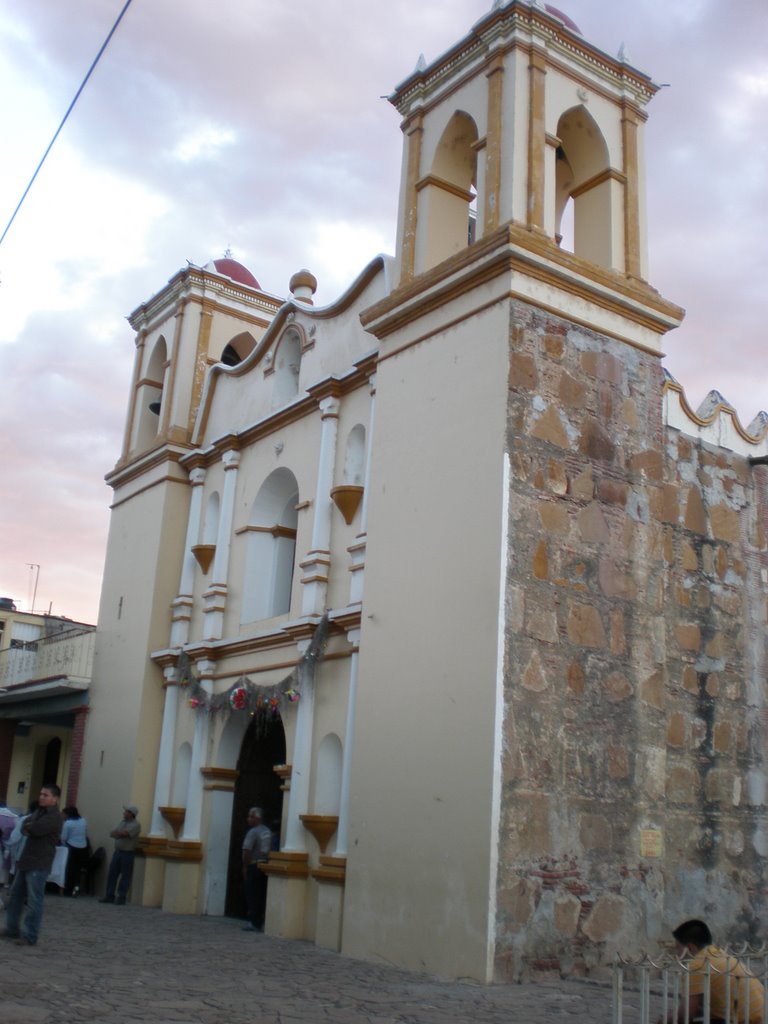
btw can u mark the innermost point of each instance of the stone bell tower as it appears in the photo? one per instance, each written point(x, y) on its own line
point(520, 120)
point(519, 369)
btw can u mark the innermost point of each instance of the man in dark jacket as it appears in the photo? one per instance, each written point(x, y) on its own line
point(42, 830)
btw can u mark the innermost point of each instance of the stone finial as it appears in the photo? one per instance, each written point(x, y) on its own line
point(421, 63)
point(623, 54)
point(303, 286)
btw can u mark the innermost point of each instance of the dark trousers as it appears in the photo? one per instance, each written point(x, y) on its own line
point(120, 867)
point(77, 861)
point(255, 895)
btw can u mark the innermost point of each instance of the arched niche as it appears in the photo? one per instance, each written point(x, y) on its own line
point(328, 783)
point(447, 194)
point(271, 548)
point(181, 775)
point(583, 177)
point(354, 456)
point(237, 348)
point(149, 397)
point(287, 368)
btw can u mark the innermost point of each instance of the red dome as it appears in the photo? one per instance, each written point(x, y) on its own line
point(564, 18)
point(236, 271)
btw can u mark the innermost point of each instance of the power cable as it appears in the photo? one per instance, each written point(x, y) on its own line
point(64, 119)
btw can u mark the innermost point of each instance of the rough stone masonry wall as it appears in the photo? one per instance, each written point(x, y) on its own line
point(634, 784)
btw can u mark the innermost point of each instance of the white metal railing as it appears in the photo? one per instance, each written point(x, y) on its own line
point(64, 654)
point(663, 984)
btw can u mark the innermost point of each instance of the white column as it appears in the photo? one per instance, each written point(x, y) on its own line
point(166, 754)
point(357, 550)
point(216, 595)
point(182, 605)
point(316, 565)
point(301, 761)
point(342, 829)
point(194, 814)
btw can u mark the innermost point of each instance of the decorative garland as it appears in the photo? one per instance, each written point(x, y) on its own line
point(244, 695)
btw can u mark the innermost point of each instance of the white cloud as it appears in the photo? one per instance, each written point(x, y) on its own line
point(203, 141)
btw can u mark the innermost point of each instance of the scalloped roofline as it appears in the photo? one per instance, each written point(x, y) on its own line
point(715, 421)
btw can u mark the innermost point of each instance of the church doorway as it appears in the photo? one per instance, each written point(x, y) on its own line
point(257, 785)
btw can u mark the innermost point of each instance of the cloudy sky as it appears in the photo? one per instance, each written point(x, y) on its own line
point(258, 126)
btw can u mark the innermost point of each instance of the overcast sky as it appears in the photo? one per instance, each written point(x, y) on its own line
point(258, 125)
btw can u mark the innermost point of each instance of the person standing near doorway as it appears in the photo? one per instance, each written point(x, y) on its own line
point(126, 836)
point(256, 847)
point(41, 832)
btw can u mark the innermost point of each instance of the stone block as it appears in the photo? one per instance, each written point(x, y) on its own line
point(648, 463)
point(722, 736)
point(688, 636)
point(695, 513)
point(566, 912)
point(554, 346)
point(595, 442)
point(595, 832)
point(554, 516)
point(618, 762)
point(522, 372)
point(575, 678)
point(606, 918)
point(584, 626)
point(652, 689)
point(533, 676)
point(549, 427)
point(603, 366)
point(518, 903)
point(682, 785)
point(613, 492)
point(572, 392)
point(690, 679)
point(720, 787)
point(541, 621)
point(617, 687)
point(583, 486)
point(618, 636)
point(592, 524)
point(676, 729)
point(689, 560)
point(540, 562)
point(614, 582)
point(725, 523)
point(557, 478)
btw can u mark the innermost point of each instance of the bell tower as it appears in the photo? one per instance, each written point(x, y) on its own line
point(518, 122)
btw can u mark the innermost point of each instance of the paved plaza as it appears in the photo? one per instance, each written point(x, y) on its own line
point(119, 965)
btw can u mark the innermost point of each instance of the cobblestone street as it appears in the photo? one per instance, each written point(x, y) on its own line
point(119, 965)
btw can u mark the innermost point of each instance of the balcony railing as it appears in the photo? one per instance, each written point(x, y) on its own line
point(68, 654)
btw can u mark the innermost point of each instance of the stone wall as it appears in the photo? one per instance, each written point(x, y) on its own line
point(634, 783)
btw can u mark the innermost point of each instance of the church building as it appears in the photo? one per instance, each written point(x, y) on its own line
point(446, 576)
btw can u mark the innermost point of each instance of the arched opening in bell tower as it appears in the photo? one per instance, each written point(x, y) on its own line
point(583, 180)
point(447, 195)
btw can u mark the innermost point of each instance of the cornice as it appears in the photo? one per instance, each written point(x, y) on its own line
point(510, 27)
point(196, 284)
point(132, 469)
point(513, 248)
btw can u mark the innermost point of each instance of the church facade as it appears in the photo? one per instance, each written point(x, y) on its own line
point(446, 576)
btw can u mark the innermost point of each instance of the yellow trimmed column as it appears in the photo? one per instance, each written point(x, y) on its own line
point(537, 141)
point(630, 122)
point(414, 132)
point(495, 76)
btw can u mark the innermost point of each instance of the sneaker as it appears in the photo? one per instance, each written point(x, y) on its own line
point(22, 940)
point(7, 934)
point(107, 899)
point(75, 892)
point(251, 928)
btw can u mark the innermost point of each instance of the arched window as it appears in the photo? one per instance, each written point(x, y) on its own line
point(271, 548)
point(287, 368)
point(236, 350)
point(582, 174)
point(149, 400)
point(447, 194)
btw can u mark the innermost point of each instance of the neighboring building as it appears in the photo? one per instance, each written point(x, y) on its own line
point(45, 672)
point(536, 732)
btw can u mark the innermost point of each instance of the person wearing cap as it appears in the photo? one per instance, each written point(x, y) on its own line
point(126, 836)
